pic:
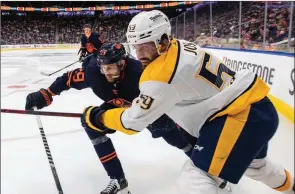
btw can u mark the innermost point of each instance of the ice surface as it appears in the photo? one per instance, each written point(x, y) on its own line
point(151, 166)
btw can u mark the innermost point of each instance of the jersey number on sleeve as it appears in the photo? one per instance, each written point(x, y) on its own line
point(144, 101)
point(216, 78)
point(78, 76)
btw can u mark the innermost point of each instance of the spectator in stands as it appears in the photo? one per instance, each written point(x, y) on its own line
point(243, 45)
point(23, 28)
point(27, 30)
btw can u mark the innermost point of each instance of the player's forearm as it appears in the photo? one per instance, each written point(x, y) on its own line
point(59, 85)
point(129, 120)
point(72, 79)
point(83, 42)
point(112, 119)
point(145, 109)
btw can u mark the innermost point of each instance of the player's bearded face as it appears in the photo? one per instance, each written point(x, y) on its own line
point(87, 31)
point(146, 53)
point(111, 72)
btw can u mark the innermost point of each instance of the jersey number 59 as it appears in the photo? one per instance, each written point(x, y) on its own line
point(215, 78)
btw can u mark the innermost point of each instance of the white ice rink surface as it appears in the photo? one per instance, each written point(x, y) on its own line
point(151, 166)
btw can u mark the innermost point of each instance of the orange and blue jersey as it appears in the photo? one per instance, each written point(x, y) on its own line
point(92, 43)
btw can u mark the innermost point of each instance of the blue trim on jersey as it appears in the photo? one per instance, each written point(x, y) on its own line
point(256, 51)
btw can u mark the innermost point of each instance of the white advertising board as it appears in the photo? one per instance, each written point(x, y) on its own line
point(276, 69)
point(38, 46)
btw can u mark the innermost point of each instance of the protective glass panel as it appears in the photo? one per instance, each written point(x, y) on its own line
point(180, 31)
point(278, 20)
point(202, 24)
point(173, 27)
point(225, 24)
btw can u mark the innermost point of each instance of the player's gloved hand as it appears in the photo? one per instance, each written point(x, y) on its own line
point(82, 57)
point(95, 52)
point(91, 119)
point(80, 50)
point(83, 50)
point(38, 99)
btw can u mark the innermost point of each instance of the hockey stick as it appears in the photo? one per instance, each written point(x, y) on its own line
point(49, 156)
point(49, 74)
point(42, 113)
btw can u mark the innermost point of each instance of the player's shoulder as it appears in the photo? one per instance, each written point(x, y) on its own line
point(190, 46)
point(163, 68)
point(92, 69)
point(133, 65)
point(93, 73)
point(83, 36)
point(95, 34)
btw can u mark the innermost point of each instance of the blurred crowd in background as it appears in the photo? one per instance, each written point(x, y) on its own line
point(194, 25)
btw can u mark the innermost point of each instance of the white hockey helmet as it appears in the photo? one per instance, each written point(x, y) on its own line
point(148, 26)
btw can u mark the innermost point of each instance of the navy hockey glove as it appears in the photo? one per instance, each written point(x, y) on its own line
point(39, 99)
point(90, 119)
point(82, 55)
point(82, 50)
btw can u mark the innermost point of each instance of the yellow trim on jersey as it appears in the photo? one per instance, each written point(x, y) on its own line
point(257, 92)
point(282, 107)
point(112, 119)
point(230, 133)
point(162, 68)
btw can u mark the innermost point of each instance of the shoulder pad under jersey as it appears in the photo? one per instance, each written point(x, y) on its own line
point(133, 64)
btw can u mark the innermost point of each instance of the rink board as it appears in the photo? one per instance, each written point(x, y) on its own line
point(275, 68)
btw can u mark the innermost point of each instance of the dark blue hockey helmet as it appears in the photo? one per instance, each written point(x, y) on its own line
point(110, 53)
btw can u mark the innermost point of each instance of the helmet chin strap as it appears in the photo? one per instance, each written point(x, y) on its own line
point(116, 76)
point(160, 46)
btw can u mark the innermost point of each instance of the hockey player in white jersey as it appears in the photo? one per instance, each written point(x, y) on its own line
point(228, 112)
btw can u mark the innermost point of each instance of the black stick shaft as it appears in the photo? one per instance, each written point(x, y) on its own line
point(63, 67)
point(42, 113)
point(49, 156)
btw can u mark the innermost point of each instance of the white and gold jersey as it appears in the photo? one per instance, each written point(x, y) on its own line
point(191, 86)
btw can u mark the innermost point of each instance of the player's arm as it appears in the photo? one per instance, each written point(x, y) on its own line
point(83, 43)
point(43, 97)
point(72, 79)
point(98, 42)
point(82, 51)
point(155, 99)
